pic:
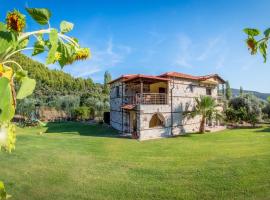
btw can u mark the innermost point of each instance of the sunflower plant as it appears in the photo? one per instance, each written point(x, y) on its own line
point(257, 42)
point(60, 48)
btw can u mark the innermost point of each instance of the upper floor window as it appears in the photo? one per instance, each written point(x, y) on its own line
point(117, 91)
point(208, 91)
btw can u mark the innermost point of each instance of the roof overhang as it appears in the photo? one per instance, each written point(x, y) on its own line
point(145, 78)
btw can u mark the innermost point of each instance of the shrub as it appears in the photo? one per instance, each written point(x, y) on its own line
point(82, 113)
point(266, 110)
point(245, 108)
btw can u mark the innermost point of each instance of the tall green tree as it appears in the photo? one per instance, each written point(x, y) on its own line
point(206, 107)
point(228, 91)
point(241, 92)
point(107, 79)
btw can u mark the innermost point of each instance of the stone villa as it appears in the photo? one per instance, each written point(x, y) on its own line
point(152, 106)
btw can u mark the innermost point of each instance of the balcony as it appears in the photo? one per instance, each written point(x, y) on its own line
point(147, 99)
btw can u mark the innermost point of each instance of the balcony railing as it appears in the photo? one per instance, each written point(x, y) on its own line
point(147, 99)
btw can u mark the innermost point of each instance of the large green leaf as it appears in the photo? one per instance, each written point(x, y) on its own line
point(6, 41)
point(263, 50)
point(66, 26)
point(53, 38)
point(267, 32)
point(66, 51)
point(40, 15)
point(27, 87)
point(3, 194)
point(39, 47)
point(251, 31)
point(7, 108)
point(23, 43)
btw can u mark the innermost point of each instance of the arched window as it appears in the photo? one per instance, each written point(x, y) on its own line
point(157, 120)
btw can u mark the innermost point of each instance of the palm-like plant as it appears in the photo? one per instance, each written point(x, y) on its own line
point(206, 107)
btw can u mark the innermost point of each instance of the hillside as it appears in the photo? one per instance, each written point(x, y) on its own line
point(56, 82)
point(257, 94)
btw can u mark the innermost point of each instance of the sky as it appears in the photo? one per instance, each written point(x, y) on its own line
point(196, 37)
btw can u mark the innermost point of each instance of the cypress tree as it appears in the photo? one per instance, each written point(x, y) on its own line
point(228, 92)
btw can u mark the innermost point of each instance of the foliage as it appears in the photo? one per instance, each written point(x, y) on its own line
point(61, 48)
point(66, 103)
point(3, 193)
point(206, 107)
point(106, 86)
point(254, 43)
point(7, 137)
point(268, 99)
point(26, 107)
point(245, 108)
point(83, 113)
point(241, 92)
point(228, 91)
point(54, 87)
point(266, 110)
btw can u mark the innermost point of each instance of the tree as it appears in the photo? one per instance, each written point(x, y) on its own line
point(107, 79)
point(255, 44)
point(266, 110)
point(246, 108)
point(206, 107)
point(241, 92)
point(82, 113)
point(268, 99)
point(228, 91)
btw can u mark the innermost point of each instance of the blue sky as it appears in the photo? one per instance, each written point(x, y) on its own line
point(152, 37)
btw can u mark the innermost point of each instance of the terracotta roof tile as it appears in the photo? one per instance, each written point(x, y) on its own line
point(166, 76)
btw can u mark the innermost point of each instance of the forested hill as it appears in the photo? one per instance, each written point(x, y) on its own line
point(56, 82)
point(58, 92)
point(257, 94)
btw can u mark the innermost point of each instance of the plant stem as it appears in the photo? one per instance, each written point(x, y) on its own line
point(12, 61)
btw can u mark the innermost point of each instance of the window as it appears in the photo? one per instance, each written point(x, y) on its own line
point(117, 91)
point(208, 91)
point(157, 120)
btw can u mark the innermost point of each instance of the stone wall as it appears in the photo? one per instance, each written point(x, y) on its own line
point(115, 105)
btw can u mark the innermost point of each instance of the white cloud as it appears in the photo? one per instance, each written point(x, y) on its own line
point(152, 45)
point(220, 61)
point(212, 53)
point(183, 56)
point(212, 47)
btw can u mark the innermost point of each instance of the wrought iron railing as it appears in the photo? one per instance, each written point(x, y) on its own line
point(147, 99)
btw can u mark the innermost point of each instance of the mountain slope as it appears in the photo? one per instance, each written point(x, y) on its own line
point(257, 94)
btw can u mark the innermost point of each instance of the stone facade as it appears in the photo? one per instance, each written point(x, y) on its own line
point(181, 94)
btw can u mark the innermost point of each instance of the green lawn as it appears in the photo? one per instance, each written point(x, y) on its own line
point(74, 161)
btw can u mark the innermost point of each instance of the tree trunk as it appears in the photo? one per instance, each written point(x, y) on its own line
point(202, 125)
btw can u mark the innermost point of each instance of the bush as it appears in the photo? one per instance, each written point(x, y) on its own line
point(266, 110)
point(246, 108)
point(82, 113)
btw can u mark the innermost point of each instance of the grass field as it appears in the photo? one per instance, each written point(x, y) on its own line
point(72, 161)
